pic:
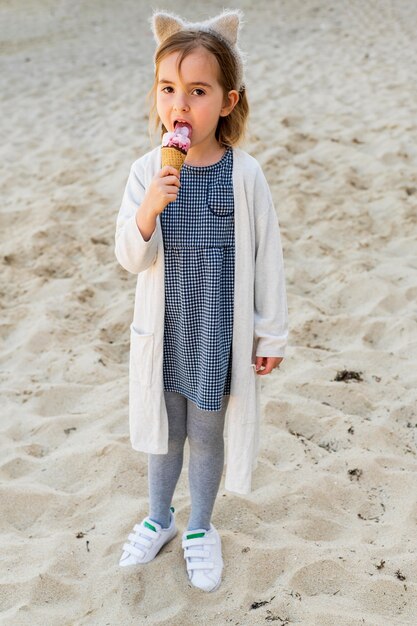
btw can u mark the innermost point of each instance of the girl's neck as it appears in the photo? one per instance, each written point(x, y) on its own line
point(198, 158)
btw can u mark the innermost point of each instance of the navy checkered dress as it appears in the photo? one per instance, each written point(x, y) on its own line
point(198, 234)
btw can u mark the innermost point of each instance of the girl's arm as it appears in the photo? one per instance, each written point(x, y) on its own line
point(270, 301)
point(134, 252)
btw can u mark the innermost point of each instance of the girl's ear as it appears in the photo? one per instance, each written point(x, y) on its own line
point(164, 25)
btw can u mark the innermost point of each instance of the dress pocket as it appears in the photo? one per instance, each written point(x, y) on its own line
point(220, 200)
point(141, 356)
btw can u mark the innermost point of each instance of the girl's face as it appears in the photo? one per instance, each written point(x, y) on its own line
point(199, 100)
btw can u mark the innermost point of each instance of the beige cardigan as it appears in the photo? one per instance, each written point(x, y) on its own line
point(260, 325)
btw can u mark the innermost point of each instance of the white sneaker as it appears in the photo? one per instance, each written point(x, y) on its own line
point(203, 556)
point(146, 540)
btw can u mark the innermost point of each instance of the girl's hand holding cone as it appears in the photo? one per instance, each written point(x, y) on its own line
point(162, 190)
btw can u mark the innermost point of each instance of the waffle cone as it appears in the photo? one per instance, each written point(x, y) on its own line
point(172, 156)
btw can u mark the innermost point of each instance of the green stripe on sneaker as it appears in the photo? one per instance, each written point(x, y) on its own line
point(148, 525)
point(195, 535)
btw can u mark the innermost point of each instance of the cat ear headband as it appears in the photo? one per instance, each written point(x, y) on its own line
point(225, 26)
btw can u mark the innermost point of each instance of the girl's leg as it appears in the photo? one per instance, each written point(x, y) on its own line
point(205, 438)
point(165, 469)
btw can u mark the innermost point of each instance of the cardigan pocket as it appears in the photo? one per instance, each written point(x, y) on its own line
point(220, 200)
point(141, 357)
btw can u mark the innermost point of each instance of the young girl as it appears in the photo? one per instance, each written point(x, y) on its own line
point(210, 312)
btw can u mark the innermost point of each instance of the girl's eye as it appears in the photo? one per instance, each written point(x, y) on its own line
point(197, 89)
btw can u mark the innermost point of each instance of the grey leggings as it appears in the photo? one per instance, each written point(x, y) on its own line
point(205, 437)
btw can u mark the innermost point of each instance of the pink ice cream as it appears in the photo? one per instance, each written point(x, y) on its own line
point(179, 139)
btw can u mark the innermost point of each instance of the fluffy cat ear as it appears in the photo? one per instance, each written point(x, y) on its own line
point(164, 25)
point(227, 24)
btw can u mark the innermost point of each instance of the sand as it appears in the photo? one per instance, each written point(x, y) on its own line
point(328, 535)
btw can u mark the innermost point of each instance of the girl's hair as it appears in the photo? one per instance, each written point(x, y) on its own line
point(231, 129)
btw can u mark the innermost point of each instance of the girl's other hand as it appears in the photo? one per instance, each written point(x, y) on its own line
point(268, 363)
point(162, 190)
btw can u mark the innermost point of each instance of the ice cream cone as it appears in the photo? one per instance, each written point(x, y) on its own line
point(172, 156)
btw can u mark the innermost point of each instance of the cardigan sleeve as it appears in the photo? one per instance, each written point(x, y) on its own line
point(132, 251)
point(270, 300)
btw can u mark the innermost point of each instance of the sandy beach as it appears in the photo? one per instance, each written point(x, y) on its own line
point(328, 537)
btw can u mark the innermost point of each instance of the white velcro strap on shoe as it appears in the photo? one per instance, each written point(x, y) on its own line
point(132, 550)
point(190, 552)
point(143, 541)
point(200, 565)
point(197, 542)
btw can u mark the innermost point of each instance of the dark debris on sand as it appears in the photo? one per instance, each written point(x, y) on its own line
point(345, 375)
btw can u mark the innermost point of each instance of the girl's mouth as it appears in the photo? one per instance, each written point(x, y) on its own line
point(190, 128)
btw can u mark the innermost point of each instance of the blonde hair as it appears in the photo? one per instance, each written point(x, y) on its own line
point(231, 129)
